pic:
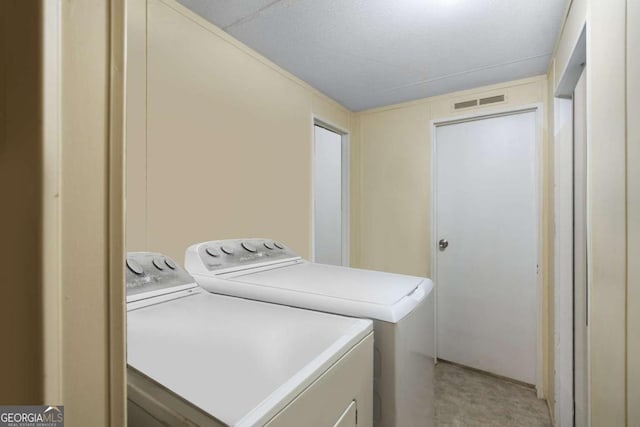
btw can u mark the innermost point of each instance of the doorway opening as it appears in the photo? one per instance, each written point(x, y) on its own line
point(330, 234)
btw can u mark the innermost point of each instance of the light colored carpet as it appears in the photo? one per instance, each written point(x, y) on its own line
point(468, 398)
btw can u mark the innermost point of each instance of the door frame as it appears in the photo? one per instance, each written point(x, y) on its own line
point(563, 216)
point(538, 109)
point(346, 170)
point(96, 36)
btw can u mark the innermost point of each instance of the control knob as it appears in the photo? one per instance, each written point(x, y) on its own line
point(170, 264)
point(212, 251)
point(157, 263)
point(227, 249)
point(249, 247)
point(135, 267)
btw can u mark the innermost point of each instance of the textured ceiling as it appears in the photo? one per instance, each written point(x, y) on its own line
point(370, 53)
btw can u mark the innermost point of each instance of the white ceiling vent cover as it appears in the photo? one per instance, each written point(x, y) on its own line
point(494, 99)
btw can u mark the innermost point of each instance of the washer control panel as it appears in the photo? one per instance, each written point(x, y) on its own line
point(150, 271)
point(226, 254)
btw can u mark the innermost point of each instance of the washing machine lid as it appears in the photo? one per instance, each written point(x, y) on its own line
point(240, 361)
point(348, 291)
point(267, 270)
point(339, 282)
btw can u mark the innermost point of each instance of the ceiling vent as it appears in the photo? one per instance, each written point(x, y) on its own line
point(491, 100)
point(465, 104)
point(478, 102)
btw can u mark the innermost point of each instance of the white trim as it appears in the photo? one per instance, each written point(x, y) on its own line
point(538, 108)
point(434, 238)
point(346, 170)
point(346, 200)
point(312, 201)
point(539, 185)
point(563, 261)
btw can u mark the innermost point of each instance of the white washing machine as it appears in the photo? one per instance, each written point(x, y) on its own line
point(402, 308)
point(200, 359)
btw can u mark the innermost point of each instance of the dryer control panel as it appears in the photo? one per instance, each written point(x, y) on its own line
point(238, 254)
point(153, 272)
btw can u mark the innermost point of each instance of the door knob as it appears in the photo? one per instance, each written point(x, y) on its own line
point(442, 244)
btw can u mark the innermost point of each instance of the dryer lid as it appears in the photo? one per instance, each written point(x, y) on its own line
point(240, 361)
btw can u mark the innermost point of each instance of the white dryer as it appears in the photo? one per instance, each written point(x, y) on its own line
point(402, 308)
point(199, 359)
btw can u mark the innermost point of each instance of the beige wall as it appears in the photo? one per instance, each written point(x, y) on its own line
point(633, 212)
point(393, 226)
point(226, 150)
point(21, 357)
point(394, 189)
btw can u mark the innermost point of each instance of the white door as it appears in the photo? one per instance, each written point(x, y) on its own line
point(486, 276)
point(580, 310)
point(328, 196)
